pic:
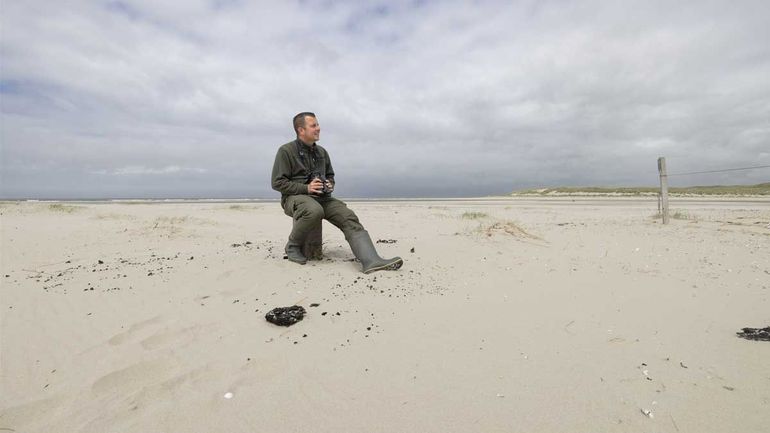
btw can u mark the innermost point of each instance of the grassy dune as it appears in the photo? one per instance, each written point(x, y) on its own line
point(762, 189)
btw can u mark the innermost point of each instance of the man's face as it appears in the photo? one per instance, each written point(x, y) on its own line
point(311, 131)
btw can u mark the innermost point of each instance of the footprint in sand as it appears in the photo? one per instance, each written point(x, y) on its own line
point(134, 377)
point(136, 328)
point(29, 414)
point(174, 337)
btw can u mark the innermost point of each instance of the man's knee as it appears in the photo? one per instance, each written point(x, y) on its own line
point(313, 213)
point(306, 208)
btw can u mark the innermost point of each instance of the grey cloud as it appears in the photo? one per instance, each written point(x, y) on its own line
point(492, 96)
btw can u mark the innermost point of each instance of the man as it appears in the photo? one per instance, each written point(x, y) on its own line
point(304, 176)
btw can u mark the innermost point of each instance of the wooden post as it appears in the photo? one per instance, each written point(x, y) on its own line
point(663, 189)
point(312, 248)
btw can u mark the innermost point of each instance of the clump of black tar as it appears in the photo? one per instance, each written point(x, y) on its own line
point(285, 316)
point(759, 334)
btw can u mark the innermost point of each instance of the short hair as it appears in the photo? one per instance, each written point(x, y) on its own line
point(299, 120)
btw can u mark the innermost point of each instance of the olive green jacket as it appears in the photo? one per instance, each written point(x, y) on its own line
point(291, 169)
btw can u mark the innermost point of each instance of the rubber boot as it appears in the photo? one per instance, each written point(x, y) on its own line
point(363, 249)
point(294, 252)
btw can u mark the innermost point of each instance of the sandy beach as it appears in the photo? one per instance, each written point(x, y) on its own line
point(509, 315)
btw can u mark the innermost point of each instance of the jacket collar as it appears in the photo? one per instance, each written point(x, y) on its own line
point(311, 146)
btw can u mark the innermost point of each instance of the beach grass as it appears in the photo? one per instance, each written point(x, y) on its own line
point(474, 215)
point(507, 227)
point(677, 214)
point(66, 208)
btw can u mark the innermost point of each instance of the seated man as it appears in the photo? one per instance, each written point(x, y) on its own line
point(303, 174)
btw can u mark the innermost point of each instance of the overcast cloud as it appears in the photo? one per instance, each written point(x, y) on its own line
point(147, 98)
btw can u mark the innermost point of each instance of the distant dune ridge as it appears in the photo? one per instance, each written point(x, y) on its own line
point(762, 189)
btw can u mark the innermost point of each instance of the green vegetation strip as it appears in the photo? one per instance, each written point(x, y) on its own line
point(727, 190)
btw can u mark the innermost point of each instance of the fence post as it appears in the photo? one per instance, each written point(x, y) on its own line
point(659, 209)
point(663, 189)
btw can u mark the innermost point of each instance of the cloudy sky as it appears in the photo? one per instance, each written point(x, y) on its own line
point(191, 98)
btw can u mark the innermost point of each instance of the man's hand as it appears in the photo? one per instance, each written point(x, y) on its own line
point(315, 187)
point(329, 186)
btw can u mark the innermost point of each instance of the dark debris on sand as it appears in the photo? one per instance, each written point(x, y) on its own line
point(757, 334)
point(285, 316)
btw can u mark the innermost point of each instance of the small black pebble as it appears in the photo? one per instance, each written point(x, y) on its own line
point(412, 250)
point(304, 335)
point(314, 305)
point(324, 313)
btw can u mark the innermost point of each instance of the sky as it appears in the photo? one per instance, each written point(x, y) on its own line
point(192, 98)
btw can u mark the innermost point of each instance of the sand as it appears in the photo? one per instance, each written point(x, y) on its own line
point(509, 315)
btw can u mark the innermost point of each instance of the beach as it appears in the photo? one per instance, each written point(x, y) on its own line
point(509, 315)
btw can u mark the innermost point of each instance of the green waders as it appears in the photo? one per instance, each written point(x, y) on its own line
point(307, 211)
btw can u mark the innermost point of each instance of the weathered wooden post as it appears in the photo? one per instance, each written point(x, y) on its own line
point(663, 189)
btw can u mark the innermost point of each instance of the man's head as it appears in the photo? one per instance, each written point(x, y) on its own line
point(307, 128)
